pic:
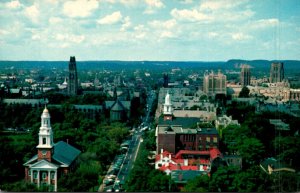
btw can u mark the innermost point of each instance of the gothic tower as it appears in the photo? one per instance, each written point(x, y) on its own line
point(73, 80)
point(45, 147)
point(276, 72)
point(168, 110)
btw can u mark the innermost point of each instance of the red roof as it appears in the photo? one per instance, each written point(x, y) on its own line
point(179, 154)
point(164, 154)
point(170, 167)
point(189, 168)
point(214, 153)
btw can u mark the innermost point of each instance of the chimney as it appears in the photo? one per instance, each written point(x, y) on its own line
point(185, 162)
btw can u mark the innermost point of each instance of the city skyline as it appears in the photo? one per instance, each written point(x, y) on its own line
point(160, 30)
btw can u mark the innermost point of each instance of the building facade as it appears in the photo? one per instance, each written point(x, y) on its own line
point(276, 72)
point(245, 75)
point(73, 79)
point(53, 160)
point(214, 83)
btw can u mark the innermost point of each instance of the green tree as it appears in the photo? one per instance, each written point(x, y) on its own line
point(199, 184)
point(244, 92)
point(251, 150)
point(222, 179)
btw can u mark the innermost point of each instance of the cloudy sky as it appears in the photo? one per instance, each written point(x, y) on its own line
point(185, 30)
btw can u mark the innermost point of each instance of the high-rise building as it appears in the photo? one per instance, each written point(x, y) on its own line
point(245, 75)
point(214, 83)
point(166, 80)
point(276, 72)
point(73, 80)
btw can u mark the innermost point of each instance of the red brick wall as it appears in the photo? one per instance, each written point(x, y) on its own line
point(166, 142)
point(47, 156)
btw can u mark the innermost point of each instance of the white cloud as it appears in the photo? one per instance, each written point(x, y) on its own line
point(186, 1)
point(153, 5)
point(4, 32)
point(215, 11)
point(212, 34)
point(80, 8)
point(167, 34)
point(55, 20)
point(71, 38)
point(264, 23)
point(169, 24)
point(240, 36)
point(32, 13)
point(213, 5)
point(13, 4)
point(126, 23)
point(35, 37)
point(189, 15)
point(110, 19)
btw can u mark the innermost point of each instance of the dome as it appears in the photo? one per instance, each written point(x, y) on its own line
point(45, 110)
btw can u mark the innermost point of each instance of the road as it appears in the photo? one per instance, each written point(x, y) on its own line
point(120, 176)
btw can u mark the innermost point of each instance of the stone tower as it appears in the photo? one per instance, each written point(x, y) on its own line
point(276, 72)
point(73, 80)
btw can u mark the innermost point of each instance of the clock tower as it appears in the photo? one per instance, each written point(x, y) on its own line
point(45, 147)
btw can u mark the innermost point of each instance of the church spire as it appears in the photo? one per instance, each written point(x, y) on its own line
point(168, 110)
point(45, 137)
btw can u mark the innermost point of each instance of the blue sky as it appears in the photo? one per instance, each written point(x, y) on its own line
point(185, 30)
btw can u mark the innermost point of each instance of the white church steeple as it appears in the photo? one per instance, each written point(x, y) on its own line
point(46, 133)
point(168, 110)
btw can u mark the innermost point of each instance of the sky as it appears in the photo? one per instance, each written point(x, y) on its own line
point(159, 30)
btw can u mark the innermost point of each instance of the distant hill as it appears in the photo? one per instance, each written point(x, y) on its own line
point(264, 64)
point(289, 65)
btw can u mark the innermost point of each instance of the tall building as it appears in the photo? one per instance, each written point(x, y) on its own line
point(166, 81)
point(245, 75)
point(53, 160)
point(73, 79)
point(214, 83)
point(276, 72)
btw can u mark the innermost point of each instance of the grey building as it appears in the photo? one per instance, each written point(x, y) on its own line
point(276, 72)
point(214, 83)
point(245, 75)
point(73, 79)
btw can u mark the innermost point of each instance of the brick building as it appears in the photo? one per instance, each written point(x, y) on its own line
point(183, 133)
point(53, 160)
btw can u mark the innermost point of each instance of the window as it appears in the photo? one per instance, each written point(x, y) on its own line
point(207, 139)
point(29, 172)
point(44, 175)
point(44, 140)
point(159, 165)
point(52, 175)
point(35, 175)
point(215, 139)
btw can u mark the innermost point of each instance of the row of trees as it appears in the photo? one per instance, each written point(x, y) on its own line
point(143, 177)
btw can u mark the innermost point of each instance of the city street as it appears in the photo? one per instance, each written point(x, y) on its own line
point(115, 177)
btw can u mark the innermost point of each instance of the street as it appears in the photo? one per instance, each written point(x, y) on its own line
point(122, 165)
